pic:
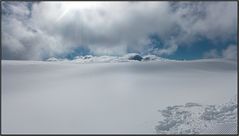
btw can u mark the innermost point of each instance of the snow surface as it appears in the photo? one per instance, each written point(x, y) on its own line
point(193, 118)
point(69, 97)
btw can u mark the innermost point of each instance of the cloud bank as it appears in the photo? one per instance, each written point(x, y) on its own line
point(228, 53)
point(41, 30)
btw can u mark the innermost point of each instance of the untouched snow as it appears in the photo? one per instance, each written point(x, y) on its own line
point(68, 97)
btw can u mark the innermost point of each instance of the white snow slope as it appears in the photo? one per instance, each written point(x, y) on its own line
point(120, 98)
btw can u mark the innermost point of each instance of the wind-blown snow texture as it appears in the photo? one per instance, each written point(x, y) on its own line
point(193, 118)
point(121, 97)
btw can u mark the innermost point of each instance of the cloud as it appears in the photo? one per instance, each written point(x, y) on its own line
point(47, 29)
point(212, 54)
point(230, 52)
point(212, 20)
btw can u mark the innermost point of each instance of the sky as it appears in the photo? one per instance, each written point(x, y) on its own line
point(174, 30)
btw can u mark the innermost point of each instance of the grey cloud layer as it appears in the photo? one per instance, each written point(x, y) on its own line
point(46, 29)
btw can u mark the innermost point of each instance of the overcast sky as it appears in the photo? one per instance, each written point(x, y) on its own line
point(177, 30)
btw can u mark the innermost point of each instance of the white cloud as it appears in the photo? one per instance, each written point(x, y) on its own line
point(212, 54)
point(214, 20)
point(56, 28)
point(230, 52)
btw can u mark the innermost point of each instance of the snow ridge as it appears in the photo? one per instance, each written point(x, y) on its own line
point(193, 118)
point(131, 57)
